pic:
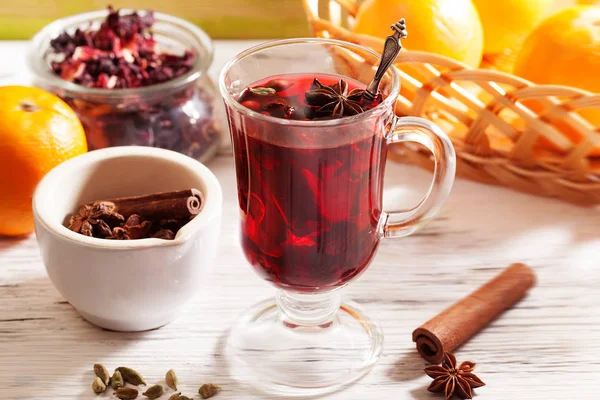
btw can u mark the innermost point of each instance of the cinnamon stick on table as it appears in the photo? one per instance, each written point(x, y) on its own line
point(165, 205)
point(458, 323)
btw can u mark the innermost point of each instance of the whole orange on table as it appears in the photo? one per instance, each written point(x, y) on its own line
point(38, 131)
point(448, 27)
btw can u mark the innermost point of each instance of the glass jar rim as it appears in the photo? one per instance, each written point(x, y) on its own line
point(39, 67)
point(231, 101)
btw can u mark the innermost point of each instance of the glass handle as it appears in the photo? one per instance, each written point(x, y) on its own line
point(419, 130)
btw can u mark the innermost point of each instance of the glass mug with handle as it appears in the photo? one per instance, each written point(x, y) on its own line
point(310, 198)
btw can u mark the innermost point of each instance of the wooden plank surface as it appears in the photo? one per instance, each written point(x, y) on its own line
point(546, 347)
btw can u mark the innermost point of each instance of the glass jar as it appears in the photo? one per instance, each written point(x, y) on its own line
point(182, 114)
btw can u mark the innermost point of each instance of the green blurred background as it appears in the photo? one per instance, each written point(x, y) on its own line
point(222, 19)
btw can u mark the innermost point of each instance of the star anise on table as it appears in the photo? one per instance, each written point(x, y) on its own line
point(453, 380)
point(334, 101)
point(92, 220)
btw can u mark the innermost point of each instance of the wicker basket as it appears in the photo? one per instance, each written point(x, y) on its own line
point(506, 130)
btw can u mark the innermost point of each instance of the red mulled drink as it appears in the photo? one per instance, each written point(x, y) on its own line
point(309, 193)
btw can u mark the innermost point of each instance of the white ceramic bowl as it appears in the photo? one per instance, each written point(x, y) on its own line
point(130, 285)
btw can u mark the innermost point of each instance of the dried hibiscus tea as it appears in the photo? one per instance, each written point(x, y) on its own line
point(120, 54)
point(304, 188)
point(134, 78)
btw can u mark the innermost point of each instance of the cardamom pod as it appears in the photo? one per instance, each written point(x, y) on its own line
point(171, 379)
point(126, 393)
point(175, 396)
point(131, 376)
point(98, 386)
point(117, 380)
point(154, 392)
point(262, 91)
point(102, 373)
point(209, 390)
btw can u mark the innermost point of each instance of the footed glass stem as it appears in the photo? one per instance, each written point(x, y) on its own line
point(303, 344)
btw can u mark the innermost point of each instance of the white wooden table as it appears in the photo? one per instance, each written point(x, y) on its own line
point(547, 347)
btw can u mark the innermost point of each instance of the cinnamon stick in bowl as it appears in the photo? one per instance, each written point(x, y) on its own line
point(459, 322)
point(164, 205)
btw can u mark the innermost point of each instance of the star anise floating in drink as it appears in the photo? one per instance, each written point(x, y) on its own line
point(453, 380)
point(307, 97)
point(335, 101)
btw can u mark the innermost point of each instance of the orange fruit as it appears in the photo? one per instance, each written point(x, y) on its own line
point(448, 27)
point(506, 24)
point(564, 50)
point(38, 131)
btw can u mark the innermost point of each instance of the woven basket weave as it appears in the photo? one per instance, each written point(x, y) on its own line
point(506, 130)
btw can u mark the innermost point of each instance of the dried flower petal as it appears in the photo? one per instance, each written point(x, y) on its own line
point(280, 109)
point(279, 85)
point(121, 53)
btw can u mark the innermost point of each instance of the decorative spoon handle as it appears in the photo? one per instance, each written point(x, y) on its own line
point(391, 49)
